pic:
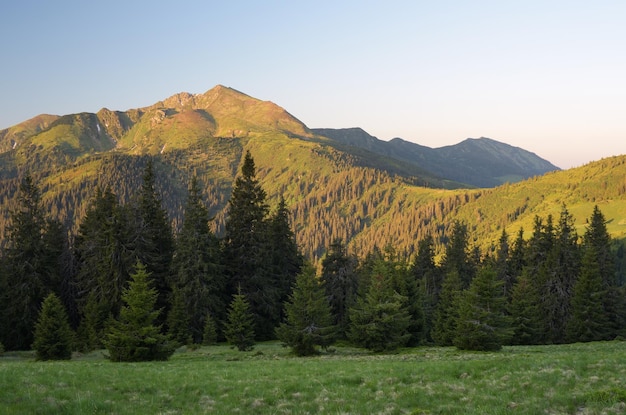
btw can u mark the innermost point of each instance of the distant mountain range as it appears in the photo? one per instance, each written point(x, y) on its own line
point(339, 183)
point(480, 162)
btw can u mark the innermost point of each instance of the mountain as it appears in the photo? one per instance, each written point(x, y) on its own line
point(480, 162)
point(368, 195)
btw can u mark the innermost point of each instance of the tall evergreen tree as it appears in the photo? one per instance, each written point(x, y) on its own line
point(341, 283)
point(482, 323)
point(136, 336)
point(524, 309)
point(457, 256)
point(560, 276)
point(239, 330)
point(104, 253)
point(447, 311)
point(589, 320)
point(286, 259)
point(308, 321)
point(379, 321)
point(503, 265)
point(197, 276)
point(248, 261)
point(516, 261)
point(32, 269)
point(429, 279)
point(53, 335)
point(597, 240)
point(154, 245)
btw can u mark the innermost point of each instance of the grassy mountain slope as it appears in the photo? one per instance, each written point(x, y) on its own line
point(334, 189)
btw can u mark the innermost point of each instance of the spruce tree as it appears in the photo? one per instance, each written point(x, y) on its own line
point(589, 320)
point(178, 319)
point(561, 277)
point(95, 314)
point(246, 250)
point(598, 240)
point(308, 322)
point(447, 311)
point(54, 337)
point(104, 253)
point(457, 256)
point(135, 336)
point(209, 335)
point(379, 320)
point(197, 278)
point(341, 283)
point(31, 266)
point(482, 324)
point(502, 264)
point(524, 310)
point(154, 242)
point(429, 280)
point(286, 259)
point(239, 330)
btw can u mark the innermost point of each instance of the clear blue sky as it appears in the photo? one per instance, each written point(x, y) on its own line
point(548, 76)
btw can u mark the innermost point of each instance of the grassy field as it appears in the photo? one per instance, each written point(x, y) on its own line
point(569, 379)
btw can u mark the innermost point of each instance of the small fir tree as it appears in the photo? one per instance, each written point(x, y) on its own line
point(209, 334)
point(309, 322)
point(135, 337)
point(447, 311)
point(240, 325)
point(178, 320)
point(53, 335)
point(482, 324)
point(524, 310)
point(94, 316)
point(379, 321)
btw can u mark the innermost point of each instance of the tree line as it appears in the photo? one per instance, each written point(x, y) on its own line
point(127, 270)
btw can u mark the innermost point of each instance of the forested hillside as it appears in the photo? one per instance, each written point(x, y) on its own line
point(333, 189)
point(212, 205)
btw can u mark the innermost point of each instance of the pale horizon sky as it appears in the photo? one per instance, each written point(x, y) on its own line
point(546, 76)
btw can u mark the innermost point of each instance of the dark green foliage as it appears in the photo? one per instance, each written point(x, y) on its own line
point(286, 259)
point(95, 314)
point(598, 240)
point(197, 276)
point(104, 250)
point(53, 335)
point(589, 320)
point(503, 266)
point(482, 323)
point(308, 322)
point(135, 337)
point(31, 266)
point(178, 320)
point(154, 245)
point(246, 246)
point(429, 279)
point(379, 320)
point(341, 283)
point(457, 256)
point(209, 334)
point(447, 311)
point(239, 330)
point(564, 267)
point(526, 319)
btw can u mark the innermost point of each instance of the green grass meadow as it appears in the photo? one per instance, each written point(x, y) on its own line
point(566, 379)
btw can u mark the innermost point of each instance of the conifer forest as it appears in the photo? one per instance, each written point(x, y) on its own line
point(126, 280)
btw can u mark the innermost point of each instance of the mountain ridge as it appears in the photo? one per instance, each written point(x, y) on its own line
point(334, 189)
point(481, 162)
